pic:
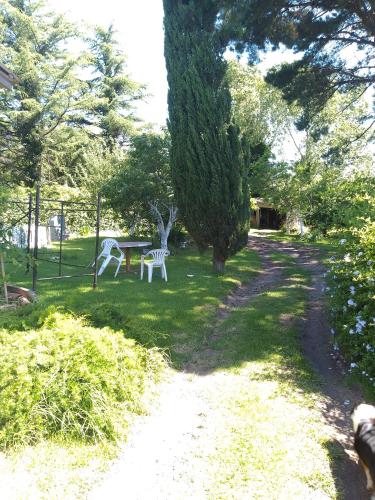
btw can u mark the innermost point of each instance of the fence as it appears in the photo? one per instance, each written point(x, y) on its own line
point(30, 211)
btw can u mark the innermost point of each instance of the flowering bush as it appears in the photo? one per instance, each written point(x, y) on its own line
point(351, 287)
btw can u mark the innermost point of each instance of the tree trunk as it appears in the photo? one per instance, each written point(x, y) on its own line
point(164, 239)
point(218, 260)
point(163, 229)
point(219, 265)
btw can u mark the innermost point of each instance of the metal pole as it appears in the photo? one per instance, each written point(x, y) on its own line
point(98, 206)
point(3, 275)
point(62, 229)
point(29, 221)
point(37, 207)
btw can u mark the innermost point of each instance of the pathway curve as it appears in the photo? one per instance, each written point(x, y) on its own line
point(169, 447)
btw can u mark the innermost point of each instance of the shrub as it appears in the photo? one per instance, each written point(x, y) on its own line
point(106, 314)
point(71, 381)
point(351, 285)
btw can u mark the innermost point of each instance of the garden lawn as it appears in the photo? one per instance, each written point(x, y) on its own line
point(155, 314)
point(262, 389)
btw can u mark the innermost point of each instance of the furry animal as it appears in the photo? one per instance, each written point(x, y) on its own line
point(363, 417)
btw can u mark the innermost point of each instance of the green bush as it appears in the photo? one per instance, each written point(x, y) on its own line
point(106, 314)
point(71, 381)
point(351, 286)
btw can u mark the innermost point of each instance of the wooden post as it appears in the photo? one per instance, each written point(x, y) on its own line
point(257, 218)
point(3, 277)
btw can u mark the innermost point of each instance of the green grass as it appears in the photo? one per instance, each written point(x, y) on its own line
point(274, 443)
point(267, 393)
point(160, 314)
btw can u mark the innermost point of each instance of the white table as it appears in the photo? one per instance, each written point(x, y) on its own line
point(128, 245)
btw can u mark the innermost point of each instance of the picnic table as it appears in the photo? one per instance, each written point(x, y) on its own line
point(128, 245)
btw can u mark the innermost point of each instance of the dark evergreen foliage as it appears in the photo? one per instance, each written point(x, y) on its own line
point(208, 172)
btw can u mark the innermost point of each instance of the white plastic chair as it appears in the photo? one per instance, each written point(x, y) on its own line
point(107, 246)
point(158, 257)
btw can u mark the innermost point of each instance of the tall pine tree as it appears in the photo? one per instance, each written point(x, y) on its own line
point(116, 92)
point(49, 93)
point(208, 170)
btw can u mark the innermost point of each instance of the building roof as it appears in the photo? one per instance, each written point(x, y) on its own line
point(7, 78)
point(261, 203)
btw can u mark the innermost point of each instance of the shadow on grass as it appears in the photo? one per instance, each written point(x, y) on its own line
point(156, 314)
point(180, 316)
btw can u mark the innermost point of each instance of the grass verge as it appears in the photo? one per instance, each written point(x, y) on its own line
point(274, 443)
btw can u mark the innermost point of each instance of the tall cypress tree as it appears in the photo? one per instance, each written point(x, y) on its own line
point(208, 170)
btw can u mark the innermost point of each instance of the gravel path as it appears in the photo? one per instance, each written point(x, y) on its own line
point(166, 454)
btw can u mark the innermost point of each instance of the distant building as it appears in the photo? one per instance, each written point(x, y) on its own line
point(265, 216)
point(7, 78)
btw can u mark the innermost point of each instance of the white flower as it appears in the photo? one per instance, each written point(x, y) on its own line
point(369, 262)
point(342, 242)
point(351, 331)
point(360, 324)
point(347, 258)
point(328, 289)
point(356, 273)
point(351, 303)
point(360, 254)
point(353, 365)
point(352, 290)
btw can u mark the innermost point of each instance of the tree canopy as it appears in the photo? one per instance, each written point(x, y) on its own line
point(55, 105)
point(334, 37)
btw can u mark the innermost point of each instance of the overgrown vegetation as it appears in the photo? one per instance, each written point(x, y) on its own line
point(70, 381)
point(351, 289)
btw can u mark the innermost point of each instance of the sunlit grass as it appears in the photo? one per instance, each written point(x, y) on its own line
point(187, 302)
point(274, 442)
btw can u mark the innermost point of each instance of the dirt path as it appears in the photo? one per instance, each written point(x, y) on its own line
point(339, 399)
point(166, 454)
